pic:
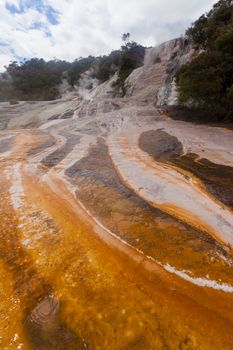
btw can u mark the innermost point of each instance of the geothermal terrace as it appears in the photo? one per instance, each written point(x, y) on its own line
point(116, 227)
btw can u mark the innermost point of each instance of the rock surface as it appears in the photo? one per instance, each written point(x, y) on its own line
point(157, 77)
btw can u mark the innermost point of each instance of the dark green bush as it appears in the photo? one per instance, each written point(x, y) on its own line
point(207, 81)
point(36, 79)
point(132, 57)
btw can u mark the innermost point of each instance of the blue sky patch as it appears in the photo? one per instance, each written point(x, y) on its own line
point(13, 9)
point(39, 5)
point(2, 43)
point(52, 15)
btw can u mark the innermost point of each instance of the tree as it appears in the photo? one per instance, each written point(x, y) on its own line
point(204, 32)
point(126, 37)
point(207, 81)
point(36, 79)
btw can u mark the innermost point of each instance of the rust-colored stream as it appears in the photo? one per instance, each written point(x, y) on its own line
point(68, 283)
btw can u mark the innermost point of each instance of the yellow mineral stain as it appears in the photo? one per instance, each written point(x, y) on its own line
point(110, 295)
point(11, 316)
point(107, 278)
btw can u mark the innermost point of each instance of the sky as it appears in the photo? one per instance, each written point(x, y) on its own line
point(69, 29)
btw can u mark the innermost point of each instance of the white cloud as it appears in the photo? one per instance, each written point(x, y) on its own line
point(91, 26)
point(5, 59)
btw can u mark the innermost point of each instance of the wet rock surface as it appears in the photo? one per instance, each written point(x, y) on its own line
point(5, 144)
point(160, 145)
point(51, 141)
point(46, 330)
point(42, 325)
point(166, 148)
point(217, 178)
point(152, 231)
point(57, 156)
